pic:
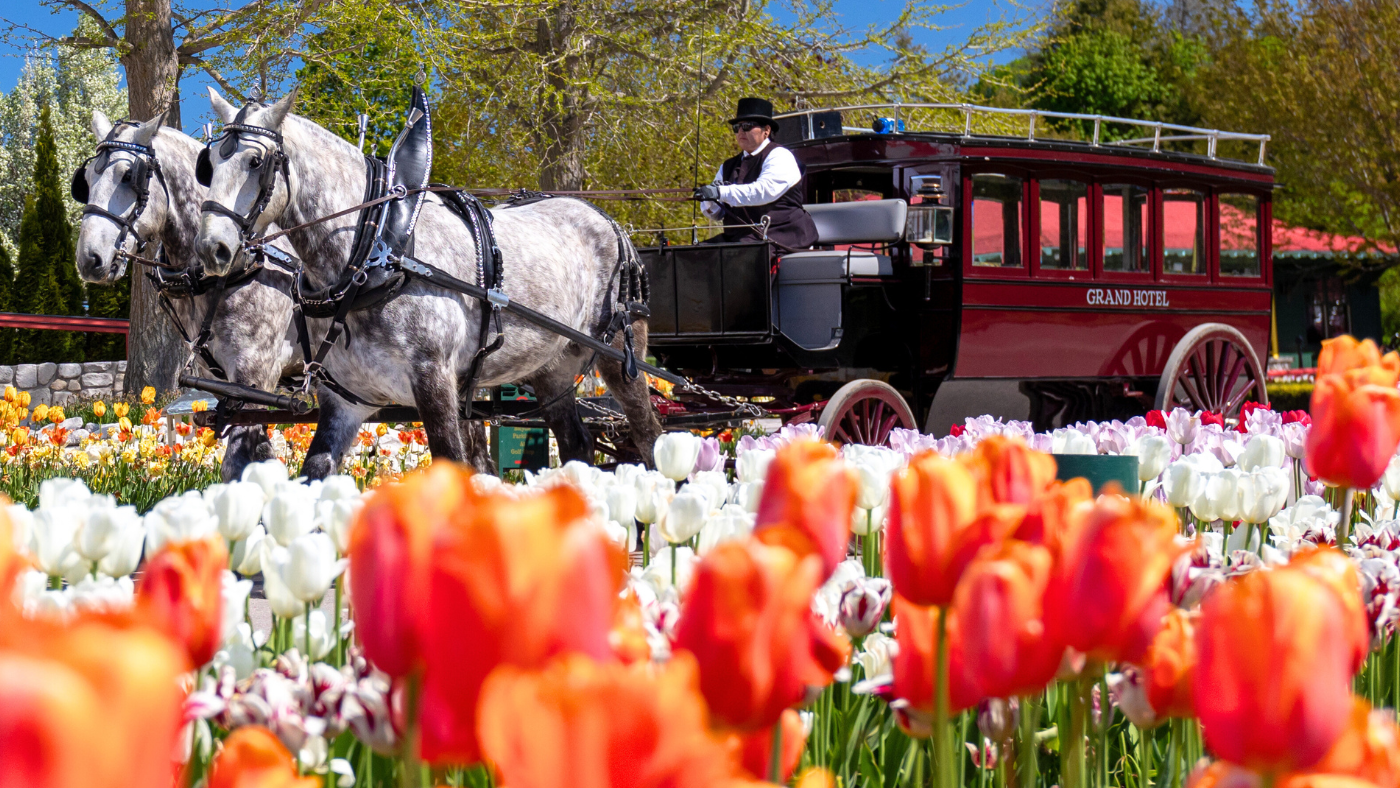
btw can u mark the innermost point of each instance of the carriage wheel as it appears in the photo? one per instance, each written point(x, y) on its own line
point(1212, 368)
point(865, 411)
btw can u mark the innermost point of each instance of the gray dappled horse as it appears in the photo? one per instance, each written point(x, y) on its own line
point(558, 256)
point(250, 339)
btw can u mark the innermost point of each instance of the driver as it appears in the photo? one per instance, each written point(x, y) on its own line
point(763, 180)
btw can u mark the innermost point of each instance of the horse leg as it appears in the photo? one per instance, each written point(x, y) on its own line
point(477, 451)
point(575, 442)
point(245, 445)
point(633, 395)
point(335, 431)
point(435, 394)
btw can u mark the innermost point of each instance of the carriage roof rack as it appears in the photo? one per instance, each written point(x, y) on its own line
point(1176, 133)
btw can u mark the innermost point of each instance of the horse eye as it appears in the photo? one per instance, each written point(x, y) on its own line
point(126, 177)
point(255, 162)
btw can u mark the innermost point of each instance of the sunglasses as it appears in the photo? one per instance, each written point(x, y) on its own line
point(746, 126)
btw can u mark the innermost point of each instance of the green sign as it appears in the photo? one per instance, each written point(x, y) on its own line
point(1099, 469)
point(519, 448)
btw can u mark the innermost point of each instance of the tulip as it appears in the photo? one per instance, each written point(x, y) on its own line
point(1009, 652)
point(601, 725)
point(756, 749)
point(269, 475)
point(863, 604)
point(253, 757)
point(52, 541)
point(97, 535)
point(873, 466)
point(312, 567)
point(807, 502)
point(622, 504)
point(125, 555)
point(334, 518)
point(654, 493)
point(1010, 472)
point(731, 524)
point(1262, 451)
point(752, 466)
point(675, 454)
point(659, 574)
point(513, 581)
point(934, 529)
point(290, 512)
point(246, 558)
point(1182, 426)
point(321, 639)
point(876, 657)
point(1356, 413)
point(915, 662)
point(1262, 494)
point(275, 562)
point(1154, 452)
point(181, 593)
point(1186, 478)
point(1108, 594)
point(1219, 498)
point(1273, 687)
point(12, 564)
point(1368, 749)
point(180, 518)
point(685, 517)
point(1334, 568)
point(1169, 667)
point(749, 624)
point(234, 603)
point(94, 703)
point(1052, 515)
point(237, 507)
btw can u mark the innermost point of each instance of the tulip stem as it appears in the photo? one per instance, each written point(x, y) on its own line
point(1344, 527)
point(673, 564)
point(775, 753)
point(941, 749)
point(412, 770)
point(1025, 751)
point(339, 659)
point(1076, 762)
point(646, 544)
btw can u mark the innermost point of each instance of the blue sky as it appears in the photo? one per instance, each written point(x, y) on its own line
point(957, 23)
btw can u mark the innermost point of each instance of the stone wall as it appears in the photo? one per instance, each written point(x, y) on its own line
point(59, 384)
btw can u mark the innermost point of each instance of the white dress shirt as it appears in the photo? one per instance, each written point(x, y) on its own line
point(779, 174)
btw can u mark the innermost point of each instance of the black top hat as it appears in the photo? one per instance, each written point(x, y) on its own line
point(755, 109)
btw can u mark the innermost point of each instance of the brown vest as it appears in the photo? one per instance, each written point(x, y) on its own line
point(789, 225)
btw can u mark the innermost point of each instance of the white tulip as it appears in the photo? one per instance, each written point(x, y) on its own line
point(238, 652)
point(1071, 441)
point(180, 518)
point(619, 534)
point(246, 559)
point(103, 594)
point(748, 495)
point(622, 503)
point(235, 598)
point(237, 507)
point(290, 512)
point(675, 454)
point(29, 586)
point(268, 475)
point(658, 571)
point(1182, 425)
point(1219, 498)
point(685, 517)
point(275, 562)
point(731, 524)
point(57, 493)
point(718, 484)
point(312, 566)
point(322, 637)
point(52, 542)
point(339, 487)
point(752, 465)
point(1295, 440)
point(654, 493)
point(125, 556)
point(21, 526)
point(1153, 453)
point(1390, 480)
point(864, 521)
point(334, 517)
point(874, 466)
point(876, 656)
point(1262, 451)
point(627, 474)
point(97, 536)
point(1262, 494)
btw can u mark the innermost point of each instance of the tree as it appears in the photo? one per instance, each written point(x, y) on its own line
point(7, 281)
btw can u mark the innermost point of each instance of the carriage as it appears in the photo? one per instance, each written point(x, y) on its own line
point(960, 273)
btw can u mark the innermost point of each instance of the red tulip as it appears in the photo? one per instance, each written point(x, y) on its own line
point(391, 546)
point(1273, 689)
point(1169, 668)
point(807, 502)
point(748, 622)
point(916, 663)
point(1369, 748)
point(1009, 471)
point(253, 757)
point(1356, 413)
point(1334, 568)
point(756, 748)
point(935, 528)
point(513, 581)
point(1109, 592)
point(181, 593)
point(1053, 514)
point(1008, 652)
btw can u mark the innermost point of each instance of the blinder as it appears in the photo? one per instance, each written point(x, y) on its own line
point(274, 162)
point(78, 188)
point(203, 169)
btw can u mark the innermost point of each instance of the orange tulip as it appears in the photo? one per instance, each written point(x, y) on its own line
point(390, 547)
point(181, 593)
point(1355, 412)
point(756, 749)
point(1338, 571)
point(514, 581)
point(11, 562)
point(1009, 471)
point(748, 622)
point(591, 725)
point(1008, 652)
point(1051, 516)
point(916, 663)
point(91, 703)
point(807, 502)
point(1109, 591)
point(1273, 688)
point(253, 757)
point(1369, 748)
point(628, 636)
point(1227, 775)
point(935, 529)
point(1169, 667)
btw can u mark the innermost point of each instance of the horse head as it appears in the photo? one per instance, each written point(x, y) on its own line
point(126, 195)
point(248, 177)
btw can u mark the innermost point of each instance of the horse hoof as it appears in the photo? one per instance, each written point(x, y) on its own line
point(317, 466)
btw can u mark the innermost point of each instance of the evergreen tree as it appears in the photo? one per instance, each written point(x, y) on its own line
point(109, 301)
point(48, 282)
point(7, 281)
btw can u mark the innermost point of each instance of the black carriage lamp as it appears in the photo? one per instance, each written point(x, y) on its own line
point(929, 224)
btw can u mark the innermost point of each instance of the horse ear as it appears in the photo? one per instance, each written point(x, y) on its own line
point(226, 111)
point(147, 131)
point(273, 116)
point(101, 126)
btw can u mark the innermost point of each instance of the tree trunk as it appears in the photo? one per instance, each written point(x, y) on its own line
point(560, 104)
point(154, 349)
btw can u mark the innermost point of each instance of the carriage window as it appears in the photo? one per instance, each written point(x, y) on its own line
point(996, 221)
point(1239, 235)
point(1183, 231)
point(1063, 225)
point(1124, 227)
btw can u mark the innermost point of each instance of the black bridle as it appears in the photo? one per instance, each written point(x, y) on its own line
point(267, 169)
point(144, 165)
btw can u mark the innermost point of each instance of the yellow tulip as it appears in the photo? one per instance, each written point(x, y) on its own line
point(199, 406)
point(148, 395)
point(11, 393)
point(41, 413)
point(381, 430)
point(19, 436)
point(24, 399)
point(120, 409)
point(99, 409)
point(124, 424)
point(56, 414)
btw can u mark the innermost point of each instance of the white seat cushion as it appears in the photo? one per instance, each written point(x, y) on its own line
point(847, 262)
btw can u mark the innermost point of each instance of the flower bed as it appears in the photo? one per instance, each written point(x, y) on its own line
point(942, 611)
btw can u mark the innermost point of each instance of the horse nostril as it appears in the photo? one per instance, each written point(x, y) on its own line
point(94, 261)
point(222, 254)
